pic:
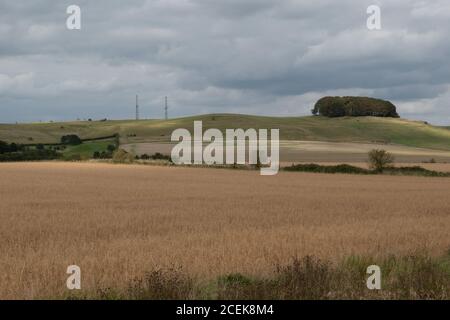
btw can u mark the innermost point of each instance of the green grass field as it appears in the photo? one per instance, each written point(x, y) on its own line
point(362, 129)
point(87, 149)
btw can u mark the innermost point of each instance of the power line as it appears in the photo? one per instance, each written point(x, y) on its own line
point(165, 109)
point(137, 107)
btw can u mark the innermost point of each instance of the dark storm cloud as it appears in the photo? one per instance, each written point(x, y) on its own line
point(253, 56)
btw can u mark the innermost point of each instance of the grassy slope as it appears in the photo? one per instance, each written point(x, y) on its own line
point(366, 129)
point(87, 149)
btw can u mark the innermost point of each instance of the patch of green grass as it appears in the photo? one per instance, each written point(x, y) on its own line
point(86, 149)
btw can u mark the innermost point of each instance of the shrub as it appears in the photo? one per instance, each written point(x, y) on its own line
point(156, 156)
point(106, 155)
point(416, 170)
point(74, 157)
point(380, 160)
point(160, 156)
point(354, 107)
point(341, 168)
point(122, 156)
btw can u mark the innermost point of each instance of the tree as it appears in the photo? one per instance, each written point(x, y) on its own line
point(380, 160)
point(71, 139)
point(4, 147)
point(8, 148)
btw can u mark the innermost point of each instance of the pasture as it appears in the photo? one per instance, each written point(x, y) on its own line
point(347, 129)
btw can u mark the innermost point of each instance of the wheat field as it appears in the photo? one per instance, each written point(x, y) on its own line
point(118, 221)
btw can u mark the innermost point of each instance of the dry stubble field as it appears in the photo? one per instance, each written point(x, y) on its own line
point(118, 221)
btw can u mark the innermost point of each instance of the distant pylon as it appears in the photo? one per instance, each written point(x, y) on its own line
point(165, 109)
point(137, 107)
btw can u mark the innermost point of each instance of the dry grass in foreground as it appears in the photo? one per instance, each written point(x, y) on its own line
point(410, 277)
point(118, 222)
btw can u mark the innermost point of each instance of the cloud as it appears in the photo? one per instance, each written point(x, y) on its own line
point(252, 56)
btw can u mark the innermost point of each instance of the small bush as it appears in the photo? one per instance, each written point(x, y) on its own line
point(122, 156)
point(156, 156)
point(160, 156)
point(380, 160)
point(111, 148)
point(102, 155)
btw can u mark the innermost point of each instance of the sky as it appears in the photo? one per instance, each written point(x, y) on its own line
point(264, 57)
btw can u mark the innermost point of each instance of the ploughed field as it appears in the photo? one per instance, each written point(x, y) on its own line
point(118, 221)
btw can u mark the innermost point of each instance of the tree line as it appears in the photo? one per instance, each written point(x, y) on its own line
point(11, 152)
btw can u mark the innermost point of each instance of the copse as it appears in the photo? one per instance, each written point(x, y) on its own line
point(354, 107)
point(71, 139)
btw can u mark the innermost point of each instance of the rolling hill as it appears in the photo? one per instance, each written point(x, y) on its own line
point(310, 128)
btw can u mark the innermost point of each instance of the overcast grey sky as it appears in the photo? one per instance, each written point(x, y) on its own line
point(268, 57)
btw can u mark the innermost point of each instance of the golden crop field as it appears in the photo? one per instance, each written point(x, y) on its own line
point(118, 221)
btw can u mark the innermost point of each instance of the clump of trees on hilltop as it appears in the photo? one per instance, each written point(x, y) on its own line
point(354, 107)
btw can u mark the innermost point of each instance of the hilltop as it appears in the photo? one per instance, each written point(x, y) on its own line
point(309, 128)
